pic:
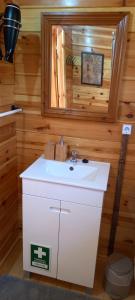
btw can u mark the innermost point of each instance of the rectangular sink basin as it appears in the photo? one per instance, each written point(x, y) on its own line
point(93, 175)
point(69, 170)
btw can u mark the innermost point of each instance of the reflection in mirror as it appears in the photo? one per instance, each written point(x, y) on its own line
point(81, 66)
point(82, 63)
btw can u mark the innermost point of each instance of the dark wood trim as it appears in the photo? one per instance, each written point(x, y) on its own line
point(118, 19)
point(119, 182)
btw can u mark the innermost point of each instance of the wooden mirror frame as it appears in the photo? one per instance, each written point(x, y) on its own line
point(118, 19)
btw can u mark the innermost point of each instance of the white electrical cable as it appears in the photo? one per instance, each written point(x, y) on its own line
point(10, 112)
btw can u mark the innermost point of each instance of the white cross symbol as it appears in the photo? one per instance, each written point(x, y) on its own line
point(39, 252)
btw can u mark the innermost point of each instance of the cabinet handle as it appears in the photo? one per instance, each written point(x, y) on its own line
point(54, 209)
point(65, 211)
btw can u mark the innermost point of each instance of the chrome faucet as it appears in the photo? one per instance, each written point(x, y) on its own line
point(74, 155)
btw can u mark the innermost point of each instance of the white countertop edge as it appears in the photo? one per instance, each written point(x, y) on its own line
point(65, 183)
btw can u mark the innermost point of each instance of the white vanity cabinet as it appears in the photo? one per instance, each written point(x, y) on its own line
point(40, 227)
point(61, 219)
point(66, 220)
point(78, 240)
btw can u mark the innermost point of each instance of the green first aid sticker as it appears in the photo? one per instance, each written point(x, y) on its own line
point(40, 257)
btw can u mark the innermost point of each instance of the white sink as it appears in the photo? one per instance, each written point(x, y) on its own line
point(69, 170)
point(93, 175)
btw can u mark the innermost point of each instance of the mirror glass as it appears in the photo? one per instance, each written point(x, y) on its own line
point(82, 63)
point(81, 69)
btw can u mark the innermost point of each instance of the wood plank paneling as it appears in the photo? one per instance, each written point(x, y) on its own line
point(94, 140)
point(28, 85)
point(87, 147)
point(129, 66)
point(6, 73)
point(76, 128)
point(31, 16)
point(2, 5)
point(7, 150)
point(129, 2)
point(24, 64)
point(127, 111)
point(28, 43)
point(7, 120)
point(124, 239)
point(7, 132)
point(6, 82)
point(6, 98)
point(8, 187)
point(127, 90)
point(73, 3)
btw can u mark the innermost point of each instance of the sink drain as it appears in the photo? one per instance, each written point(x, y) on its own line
point(71, 168)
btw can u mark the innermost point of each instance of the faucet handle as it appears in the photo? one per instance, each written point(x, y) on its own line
point(74, 155)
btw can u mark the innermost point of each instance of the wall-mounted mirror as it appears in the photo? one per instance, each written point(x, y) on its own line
point(82, 62)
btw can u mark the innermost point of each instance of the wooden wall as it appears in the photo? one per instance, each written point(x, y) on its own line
point(8, 161)
point(94, 140)
point(8, 187)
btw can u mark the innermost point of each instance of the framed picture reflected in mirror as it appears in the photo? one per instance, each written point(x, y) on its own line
point(92, 68)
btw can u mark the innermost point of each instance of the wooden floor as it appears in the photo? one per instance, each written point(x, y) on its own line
point(13, 266)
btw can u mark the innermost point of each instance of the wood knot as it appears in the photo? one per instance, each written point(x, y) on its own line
point(129, 241)
point(130, 116)
point(126, 102)
point(42, 128)
point(110, 131)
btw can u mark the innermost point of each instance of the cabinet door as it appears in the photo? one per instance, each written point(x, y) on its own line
point(78, 241)
point(41, 228)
